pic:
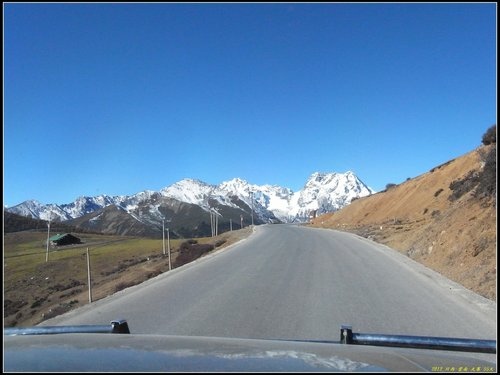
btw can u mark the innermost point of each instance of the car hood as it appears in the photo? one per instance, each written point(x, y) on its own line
point(82, 352)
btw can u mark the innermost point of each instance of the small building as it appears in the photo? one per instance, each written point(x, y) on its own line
point(64, 239)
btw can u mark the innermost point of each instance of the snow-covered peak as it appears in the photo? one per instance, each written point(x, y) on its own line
point(326, 192)
point(320, 178)
point(189, 190)
point(143, 195)
point(34, 209)
point(29, 208)
point(236, 186)
point(84, 205)
point(348, 178)
point(323, 192)
point(32, 204)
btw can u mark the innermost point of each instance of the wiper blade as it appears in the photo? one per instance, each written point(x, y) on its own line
point(418, 342)
point(117, 326)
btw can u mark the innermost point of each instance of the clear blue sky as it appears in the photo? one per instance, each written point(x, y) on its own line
point(120, 98)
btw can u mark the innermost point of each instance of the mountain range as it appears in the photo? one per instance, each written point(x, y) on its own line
point(190, 207)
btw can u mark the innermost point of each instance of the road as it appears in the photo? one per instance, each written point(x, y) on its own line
point(294, 282)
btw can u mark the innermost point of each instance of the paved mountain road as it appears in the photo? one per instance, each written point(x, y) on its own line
point(294, 282)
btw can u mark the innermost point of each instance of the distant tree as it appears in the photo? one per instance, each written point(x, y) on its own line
point(491, 135)
point(389, 186)
point(464, 185)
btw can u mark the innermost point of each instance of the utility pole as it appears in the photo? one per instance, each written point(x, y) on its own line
point(216, 223)
point(211, 222)
point(48, 235)
point(163, 222)
point(230, 225)
point(251, 197)
point(88, 274)
point(241, 220)
point(168, 241)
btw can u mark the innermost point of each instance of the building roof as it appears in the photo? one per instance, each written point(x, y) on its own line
point(57, 237)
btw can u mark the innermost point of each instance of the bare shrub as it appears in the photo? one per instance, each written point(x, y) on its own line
point(187, 244)
point(11, 307)
point(463, 186)
point(153, 274)
point(58, 310)
point(124, 285)
point(490, 136)
point(188, 253)
point(485, 180)
point(220, 242)
point(480, 246)
point(38, 302)
point(438, 192)
point(488, 178)
point(72, 293)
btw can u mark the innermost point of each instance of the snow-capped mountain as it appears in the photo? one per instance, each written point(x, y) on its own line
point(323, 192)
point(263, 199)
point(85, 205)
point(189, 191)
point(36, 210)
point(327, 192)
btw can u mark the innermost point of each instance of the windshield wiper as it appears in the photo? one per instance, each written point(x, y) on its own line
point(117, 326)
point(347, 336)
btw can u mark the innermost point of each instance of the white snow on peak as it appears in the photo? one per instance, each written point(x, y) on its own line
point(236, 186)
point(33, 208)
point(323, 192)
point(326, 192)
point(190, 191)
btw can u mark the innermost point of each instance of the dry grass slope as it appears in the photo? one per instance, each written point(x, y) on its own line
point(454, 237)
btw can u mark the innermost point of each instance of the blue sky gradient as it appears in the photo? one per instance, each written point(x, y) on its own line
point(120, 98)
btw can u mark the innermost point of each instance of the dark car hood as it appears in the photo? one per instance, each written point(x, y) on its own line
point(136, 352)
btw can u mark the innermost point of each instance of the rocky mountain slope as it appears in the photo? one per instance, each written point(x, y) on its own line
point(190, 206)
point(445, 219)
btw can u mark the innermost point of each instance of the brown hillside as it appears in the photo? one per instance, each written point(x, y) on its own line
point(455, 238)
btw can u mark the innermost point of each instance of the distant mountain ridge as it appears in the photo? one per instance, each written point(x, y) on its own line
point(190, 202)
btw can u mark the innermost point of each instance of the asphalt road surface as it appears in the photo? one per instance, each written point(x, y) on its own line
point(294, 282)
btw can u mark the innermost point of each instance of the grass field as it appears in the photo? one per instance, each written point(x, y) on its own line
point(35, 290)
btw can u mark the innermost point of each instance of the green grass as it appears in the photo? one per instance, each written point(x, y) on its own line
point(35, 289)
point(22, 258)
point(29, 278)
